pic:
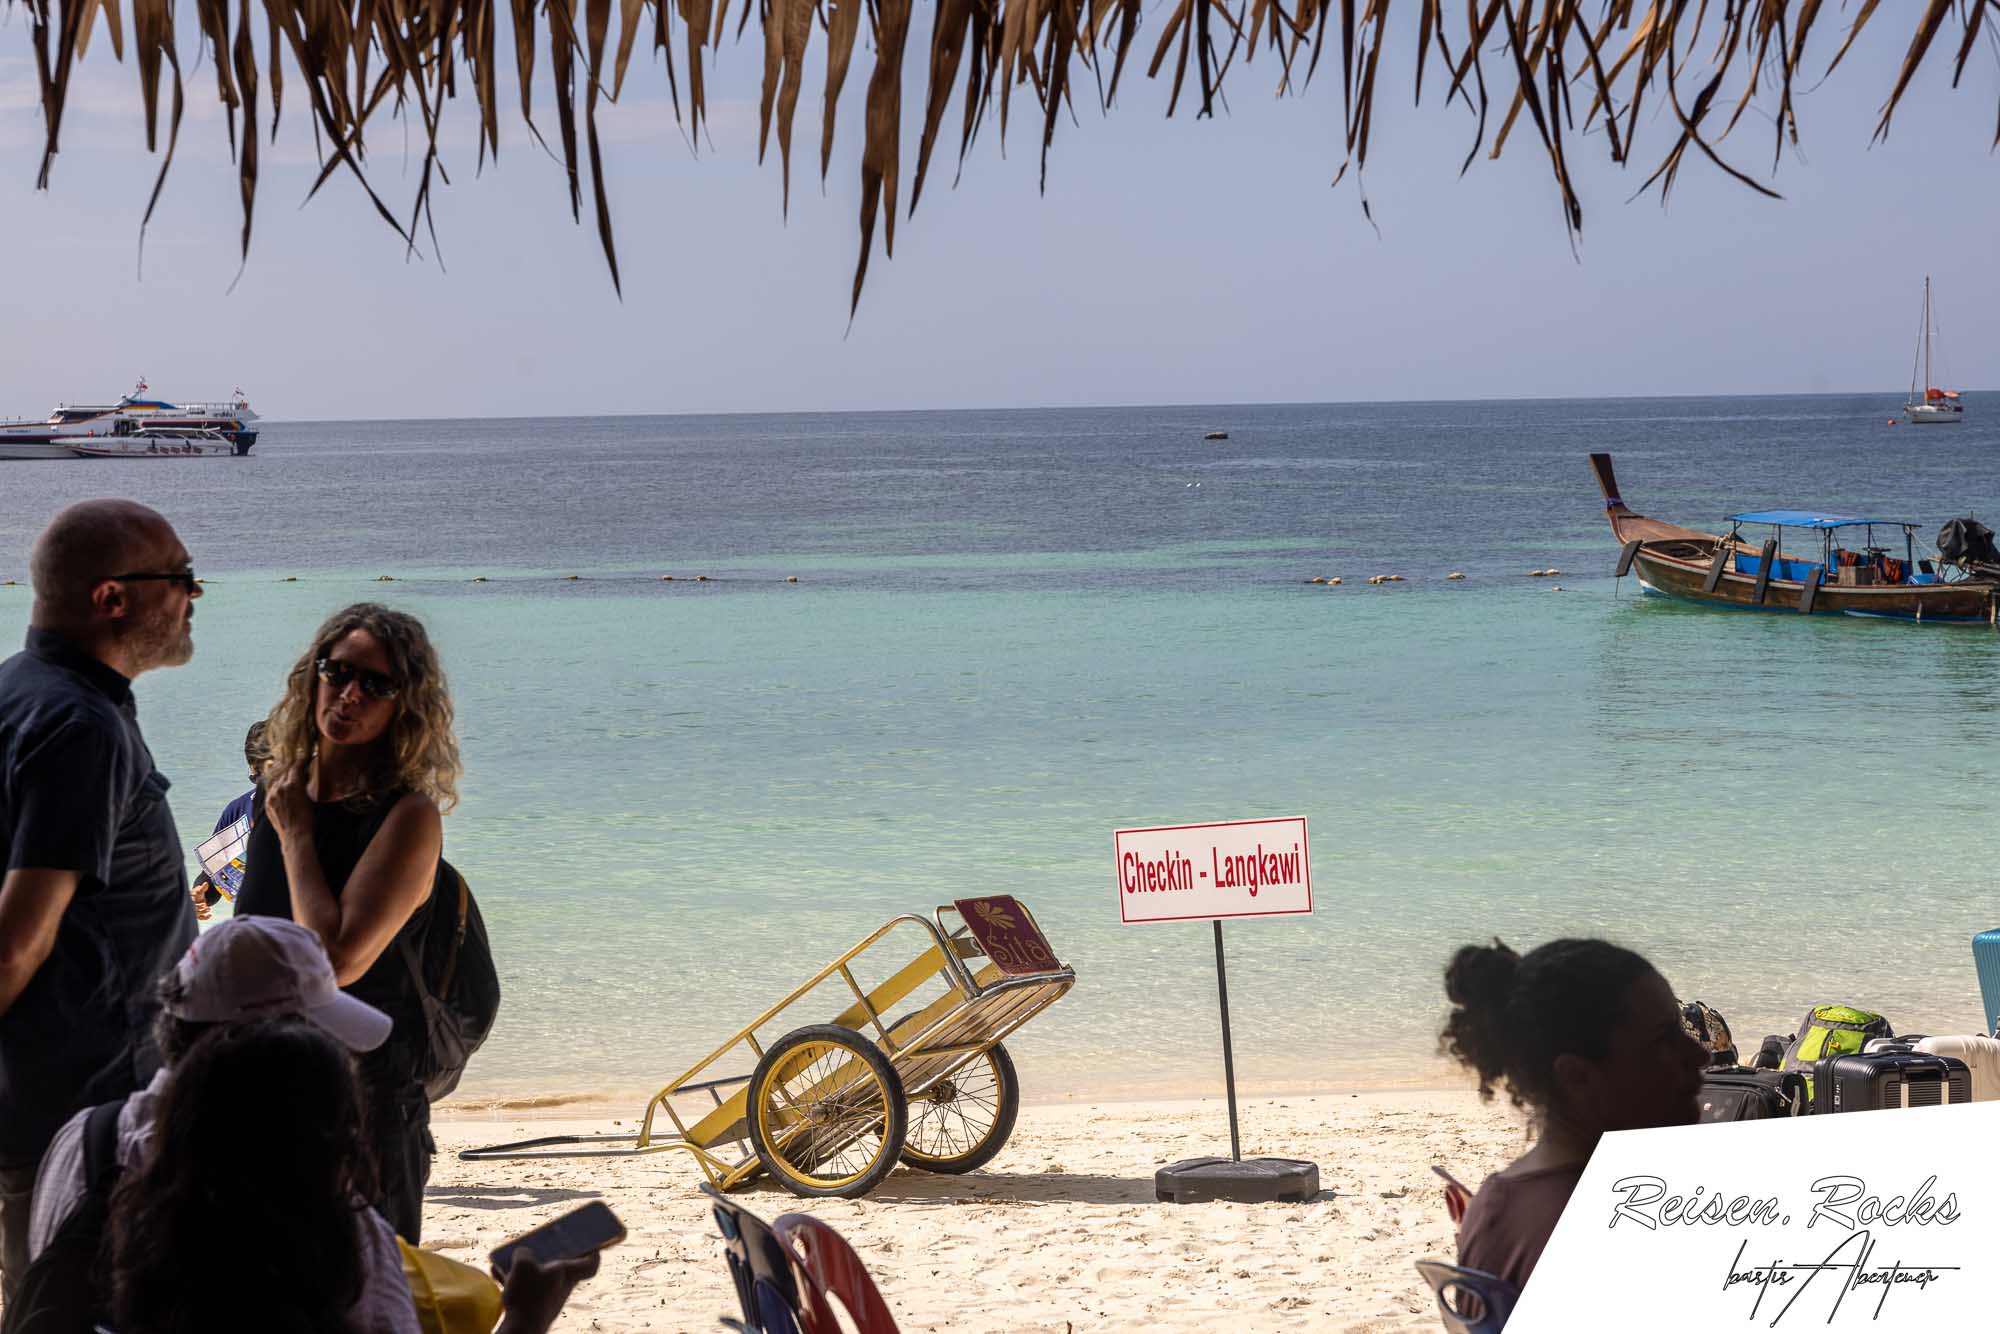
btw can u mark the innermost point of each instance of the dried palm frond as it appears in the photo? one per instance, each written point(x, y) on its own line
point(1569, 71)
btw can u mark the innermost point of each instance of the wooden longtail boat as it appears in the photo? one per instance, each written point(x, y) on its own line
point(1864, 580)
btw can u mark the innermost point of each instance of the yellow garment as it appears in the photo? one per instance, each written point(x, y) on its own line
point(451, 1298)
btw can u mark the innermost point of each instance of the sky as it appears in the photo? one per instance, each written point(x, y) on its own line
point(1170, 260)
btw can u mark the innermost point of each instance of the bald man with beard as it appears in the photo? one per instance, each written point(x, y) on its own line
point(94, 904)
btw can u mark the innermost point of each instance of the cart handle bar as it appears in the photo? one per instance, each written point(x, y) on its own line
point(529, 1148)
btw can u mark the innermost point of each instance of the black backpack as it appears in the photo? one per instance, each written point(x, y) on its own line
point(59, 1291)
point(451, 961)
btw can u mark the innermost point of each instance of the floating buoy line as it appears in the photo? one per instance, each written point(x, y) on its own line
point(1456, 576)
point(484, 579)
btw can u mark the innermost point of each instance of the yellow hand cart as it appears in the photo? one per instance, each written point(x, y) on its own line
point(912, 1070)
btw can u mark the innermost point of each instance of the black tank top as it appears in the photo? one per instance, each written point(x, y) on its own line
point(341, 834)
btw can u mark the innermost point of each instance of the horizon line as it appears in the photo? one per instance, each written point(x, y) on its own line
point(1105, 407)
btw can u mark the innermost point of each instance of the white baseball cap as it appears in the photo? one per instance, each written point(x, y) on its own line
point(263, 968)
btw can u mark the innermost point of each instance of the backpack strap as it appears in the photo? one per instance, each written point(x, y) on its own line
point(458, 930)
point(59, 1293)
point(408, 947)
point(100, 1146)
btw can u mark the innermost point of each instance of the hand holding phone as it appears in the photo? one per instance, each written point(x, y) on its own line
point(582, 1231)
point(535, 1293)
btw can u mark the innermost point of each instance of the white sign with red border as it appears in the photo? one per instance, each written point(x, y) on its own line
point(1200, 872)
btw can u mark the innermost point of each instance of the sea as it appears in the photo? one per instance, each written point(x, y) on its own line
point(908, 658)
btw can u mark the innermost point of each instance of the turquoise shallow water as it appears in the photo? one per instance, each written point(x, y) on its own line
point(682, 798)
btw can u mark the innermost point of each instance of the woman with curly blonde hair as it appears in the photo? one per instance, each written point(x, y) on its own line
point(362, 760)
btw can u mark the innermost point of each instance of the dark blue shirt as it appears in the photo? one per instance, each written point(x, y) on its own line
point(235, 810)
point(238, 807)
point(78, 792)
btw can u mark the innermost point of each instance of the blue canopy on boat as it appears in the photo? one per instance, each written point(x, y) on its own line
point(1808, 519)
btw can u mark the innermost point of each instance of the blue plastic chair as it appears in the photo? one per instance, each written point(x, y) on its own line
point(1986, 958)
point(766, 1287)
point(1470, 1300)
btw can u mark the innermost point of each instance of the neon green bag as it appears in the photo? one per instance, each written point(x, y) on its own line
point(1832, 1030)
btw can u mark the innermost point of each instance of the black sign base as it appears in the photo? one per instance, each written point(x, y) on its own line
point(1248, 1181)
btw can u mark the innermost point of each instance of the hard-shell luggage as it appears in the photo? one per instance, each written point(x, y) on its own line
point(1980, 1054)
point(1874, 1081)
point(1986, 961)
point(1751, 1095)
point(1908, 1042)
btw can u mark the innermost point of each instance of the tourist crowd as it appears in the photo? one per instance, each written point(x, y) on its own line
point(261, 1091)
point(300, 1025)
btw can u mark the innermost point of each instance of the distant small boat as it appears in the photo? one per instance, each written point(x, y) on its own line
point(1216, 435)
point(1937, 407)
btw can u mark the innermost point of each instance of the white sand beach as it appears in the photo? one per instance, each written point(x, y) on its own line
point(1060, 1232)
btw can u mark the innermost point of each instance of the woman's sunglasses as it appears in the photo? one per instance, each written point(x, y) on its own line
point(340, 675)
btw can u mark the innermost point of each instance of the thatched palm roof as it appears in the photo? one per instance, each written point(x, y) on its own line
point(1569, 66)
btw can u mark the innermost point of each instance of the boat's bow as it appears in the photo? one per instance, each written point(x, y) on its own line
point(1627, 525)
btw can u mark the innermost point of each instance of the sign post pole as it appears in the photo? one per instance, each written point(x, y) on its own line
point(1192, 873)
point(1228, 1057)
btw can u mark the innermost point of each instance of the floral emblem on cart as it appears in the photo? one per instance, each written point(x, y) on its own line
point(993, 916)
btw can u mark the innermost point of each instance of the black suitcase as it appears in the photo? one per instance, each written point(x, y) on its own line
point(1739, 1094)
point(1872, 1081)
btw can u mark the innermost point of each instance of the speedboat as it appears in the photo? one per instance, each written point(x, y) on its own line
point(158, 442)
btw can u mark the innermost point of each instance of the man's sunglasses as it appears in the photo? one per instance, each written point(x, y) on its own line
point(340, 675)
point(185, 578)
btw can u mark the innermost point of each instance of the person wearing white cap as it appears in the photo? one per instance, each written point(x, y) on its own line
point(244, 968)
point(240, 1019)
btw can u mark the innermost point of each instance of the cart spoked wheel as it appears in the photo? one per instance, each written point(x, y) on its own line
point(826, 1113)
point(960, 1122)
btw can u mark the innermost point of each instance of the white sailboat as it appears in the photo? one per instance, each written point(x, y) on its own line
point(1934, 406)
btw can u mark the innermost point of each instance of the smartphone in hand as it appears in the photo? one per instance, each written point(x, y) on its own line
point(1449, 1178)
point(577, 1233)
point(1456, 1197)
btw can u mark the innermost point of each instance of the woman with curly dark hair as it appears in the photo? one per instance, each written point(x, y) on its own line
point(362, 761)
point(282, 1193)
point(282, 1196)
point(1587, 1037)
